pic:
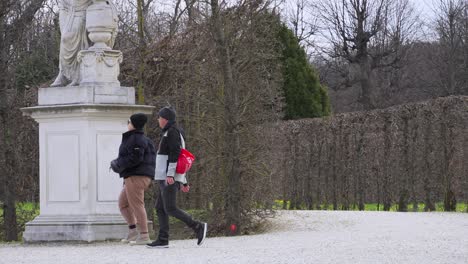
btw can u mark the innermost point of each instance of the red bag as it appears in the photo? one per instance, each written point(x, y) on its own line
point(184, 162)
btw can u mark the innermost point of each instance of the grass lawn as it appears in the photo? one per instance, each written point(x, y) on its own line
point(461, 207)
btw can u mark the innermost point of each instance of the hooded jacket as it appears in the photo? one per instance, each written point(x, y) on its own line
point(168, 153)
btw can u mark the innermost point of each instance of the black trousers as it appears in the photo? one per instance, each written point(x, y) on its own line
point(166, 206)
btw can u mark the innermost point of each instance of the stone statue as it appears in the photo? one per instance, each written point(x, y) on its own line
point(74, 37)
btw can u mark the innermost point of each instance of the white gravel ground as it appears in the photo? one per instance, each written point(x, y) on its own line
point(296, 237)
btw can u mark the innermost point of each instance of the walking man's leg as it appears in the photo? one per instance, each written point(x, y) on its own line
point(170, 203)
point(166, 206)
point(162, 239)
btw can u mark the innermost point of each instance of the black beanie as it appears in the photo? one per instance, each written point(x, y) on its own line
point(167, 113)
point(138, 120)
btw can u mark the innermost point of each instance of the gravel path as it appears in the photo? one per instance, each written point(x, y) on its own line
point(296, 237)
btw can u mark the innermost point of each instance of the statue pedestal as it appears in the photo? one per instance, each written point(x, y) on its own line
point(77, 141)
point(99, 67)
point(89, 94)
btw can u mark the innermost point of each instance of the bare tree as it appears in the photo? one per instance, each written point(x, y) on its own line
point(301, 21)
point(367, 35)
point(222, 75)
point(450, 23)
point(231, 161)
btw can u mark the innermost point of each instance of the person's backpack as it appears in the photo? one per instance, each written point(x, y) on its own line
point(185, 160)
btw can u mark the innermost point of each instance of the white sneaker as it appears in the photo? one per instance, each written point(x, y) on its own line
point(141, 240)
point(131, 236)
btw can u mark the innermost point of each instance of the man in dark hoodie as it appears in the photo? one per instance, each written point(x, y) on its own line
point(170, 182)
point(136, 164)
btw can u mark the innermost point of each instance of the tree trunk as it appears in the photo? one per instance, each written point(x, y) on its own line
point(198, 125)
point(319, 176)
point(9, 189)
point(285, 183)
point(346, 186)
point(360, 184)
point(190, 12)
point(326, 167)
point(295, 172)
point(404, 193)
point(10, 225)
point(142, 52)
point(9, 195)
point(450, 202)
point(428, 190)
point(309, 197)
point(231, 162)
point(387, 203)
point(403, 201)
point(366, 85)
point(452, 89)
point(410, 169)
point(334, 176)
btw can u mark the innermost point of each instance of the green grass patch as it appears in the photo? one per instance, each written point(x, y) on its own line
point(25, 212)
point(278, 205)
point(461, 207)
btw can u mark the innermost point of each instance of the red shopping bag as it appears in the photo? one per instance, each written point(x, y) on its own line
point(184, 162)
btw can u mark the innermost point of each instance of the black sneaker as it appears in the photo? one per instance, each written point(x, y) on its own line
point(200, 232)
point(158, 244)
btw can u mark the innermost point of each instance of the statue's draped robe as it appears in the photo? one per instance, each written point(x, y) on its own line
point(74, 37)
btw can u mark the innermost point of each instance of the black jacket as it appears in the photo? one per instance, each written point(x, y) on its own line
point(137, 155)
point(170, 144)
point(169, 149)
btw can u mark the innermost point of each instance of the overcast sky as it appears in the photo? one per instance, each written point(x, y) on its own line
point(426, 7)
point(424, 32)
point(422, 7)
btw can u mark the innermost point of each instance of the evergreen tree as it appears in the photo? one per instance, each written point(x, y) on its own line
point(304, 95)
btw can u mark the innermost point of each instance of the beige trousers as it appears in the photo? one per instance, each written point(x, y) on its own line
point(132, 201)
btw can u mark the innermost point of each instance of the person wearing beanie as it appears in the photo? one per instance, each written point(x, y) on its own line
point(171, 182)
point(167, 113)
point(136, 164)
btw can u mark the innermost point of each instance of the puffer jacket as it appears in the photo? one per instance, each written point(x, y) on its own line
point(137, 155)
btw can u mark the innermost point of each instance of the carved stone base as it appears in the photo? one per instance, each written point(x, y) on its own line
point(75, 228)
point(90, 94)
point(99, 67)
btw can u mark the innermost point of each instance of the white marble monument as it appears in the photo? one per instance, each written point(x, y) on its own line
point(80, 130)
